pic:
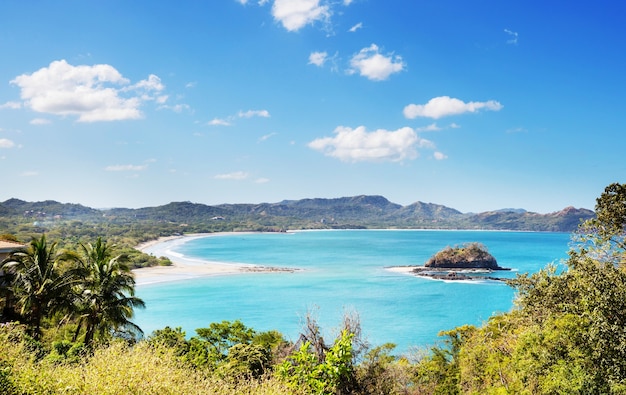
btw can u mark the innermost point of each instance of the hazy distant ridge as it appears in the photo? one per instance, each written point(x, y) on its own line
point(364, 211)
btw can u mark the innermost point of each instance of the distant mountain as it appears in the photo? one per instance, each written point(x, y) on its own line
point(512, 210)
point(364, 211)
point(420, 211)
point(565, 220)
point(354, 208)
point(48, 208)
point(171, 212)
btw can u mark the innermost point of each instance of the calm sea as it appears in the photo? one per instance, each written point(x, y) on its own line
point(344, 272)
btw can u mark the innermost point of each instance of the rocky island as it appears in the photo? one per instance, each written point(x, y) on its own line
point(459, 263)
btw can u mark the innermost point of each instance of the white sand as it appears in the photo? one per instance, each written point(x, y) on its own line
point(402, 269)
point(183, 267)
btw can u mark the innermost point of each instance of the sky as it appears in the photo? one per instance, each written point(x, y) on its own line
point(475, 105)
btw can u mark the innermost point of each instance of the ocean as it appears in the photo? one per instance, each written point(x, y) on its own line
point(344, 272)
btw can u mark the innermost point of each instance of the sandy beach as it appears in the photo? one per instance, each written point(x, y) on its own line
point(183, 267)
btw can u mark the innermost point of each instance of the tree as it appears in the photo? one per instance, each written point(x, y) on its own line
point(566, 333)
point(318, 368)
point(107, 293)
point(611, 214)
point(335, 374)
point(605, 235)
point(38, 284)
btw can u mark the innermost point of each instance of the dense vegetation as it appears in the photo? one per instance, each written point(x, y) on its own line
point(470, 255)
point(567, 334)
point(72, 223)
point(70, 333)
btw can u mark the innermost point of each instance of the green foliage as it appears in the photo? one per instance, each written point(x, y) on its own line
point(67, 351)
point(439, 372)
point(382, 373)
point(48, 290)
point(116, 368)
point(245, 361)
point(229, 348)
point(466, 255)
point(106, 294)
point(334, 374)
point(171, 338)
point(218, 338)
point(567, 334)
point(611, 214)
point(38, 283)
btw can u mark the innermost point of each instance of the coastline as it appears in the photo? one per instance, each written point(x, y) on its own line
point(184, 268)
point(446, 275)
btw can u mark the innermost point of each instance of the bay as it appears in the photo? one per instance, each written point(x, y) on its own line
point(343, 272)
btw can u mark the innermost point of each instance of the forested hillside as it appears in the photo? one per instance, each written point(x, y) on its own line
point(17, 216)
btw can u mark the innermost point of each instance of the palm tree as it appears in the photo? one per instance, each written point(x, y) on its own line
point(107, 293)
point(37, 284)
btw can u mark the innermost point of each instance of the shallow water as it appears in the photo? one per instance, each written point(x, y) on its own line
point(344, 271)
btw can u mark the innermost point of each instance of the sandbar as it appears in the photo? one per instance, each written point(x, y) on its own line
point(184, 267)
point(402, 269)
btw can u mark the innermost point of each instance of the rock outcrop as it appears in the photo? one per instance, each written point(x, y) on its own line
point(467, 256)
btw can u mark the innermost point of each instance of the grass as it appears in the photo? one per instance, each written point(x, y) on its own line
point(114, 369)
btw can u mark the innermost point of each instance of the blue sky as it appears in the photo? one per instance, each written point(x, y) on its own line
point(476, 105)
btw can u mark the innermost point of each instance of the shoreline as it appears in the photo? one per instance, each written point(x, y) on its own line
point(185, 268)
point(447, 275)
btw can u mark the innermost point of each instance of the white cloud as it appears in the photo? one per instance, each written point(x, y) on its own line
point(177, 108)
point(267, 136)
point(318, 58)
point(347, 2)
point(126, 167)
point(439, 156)
point(254, 113)
point(262, 180)
point(429, 128)
point(371, 64)
point(40, 121)
point(445, 105)
point(356, 27)
point(92, 93)
point(29, 173)
point(219, 122)
point(295, 14)
point(354, 145)
point(237, 175)
point(153, 83)
point(228, 121)
point(13, 105)
point(513, 37)
point(6, 143)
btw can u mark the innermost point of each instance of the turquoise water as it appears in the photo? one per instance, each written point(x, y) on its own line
point(344, 271)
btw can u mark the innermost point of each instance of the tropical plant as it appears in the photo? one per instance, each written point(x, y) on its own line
point(38, 285)
point(566, 333)
point(334, 374)
point(107, 298)
point(229, 348)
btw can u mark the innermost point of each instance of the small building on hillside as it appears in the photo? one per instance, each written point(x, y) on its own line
point(7, 247)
